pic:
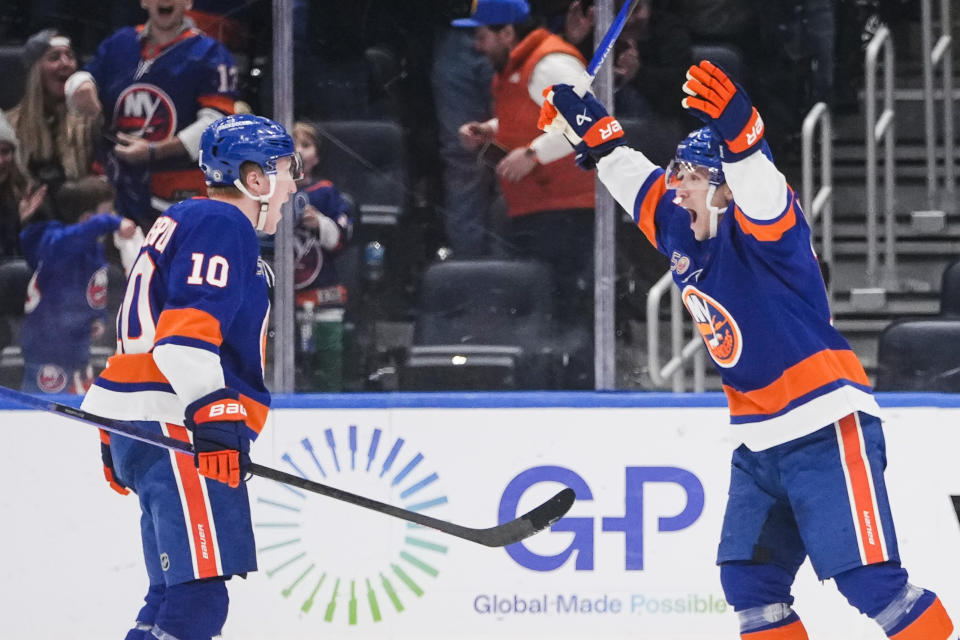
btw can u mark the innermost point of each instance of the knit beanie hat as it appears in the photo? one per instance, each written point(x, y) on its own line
point(38, 44)
point(6, 132)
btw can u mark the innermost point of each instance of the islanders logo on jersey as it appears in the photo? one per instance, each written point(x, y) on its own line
point(719, 330)
point(145, 111)
point(51, 378)
point(97, 289)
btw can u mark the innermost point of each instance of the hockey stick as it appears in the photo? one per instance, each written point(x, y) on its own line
point(501, 535)
point(606, 46)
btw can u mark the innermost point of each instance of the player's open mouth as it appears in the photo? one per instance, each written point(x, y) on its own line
point(165, 11)
point(693, 216)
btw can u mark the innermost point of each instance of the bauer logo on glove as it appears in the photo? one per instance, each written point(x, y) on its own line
point(584, 122)
point(723, 104)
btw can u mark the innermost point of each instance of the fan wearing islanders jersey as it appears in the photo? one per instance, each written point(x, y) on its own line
point(158, 86)
point(190, 365)
point(808, 478)
point(67, 294)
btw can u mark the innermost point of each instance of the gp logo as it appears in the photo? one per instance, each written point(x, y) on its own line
point(630, 524)
point(719, 330)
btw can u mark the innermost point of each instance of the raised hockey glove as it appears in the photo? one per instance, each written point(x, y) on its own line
point(583, 121)
point(723, 104)
point(107, 459)
point(221, 450)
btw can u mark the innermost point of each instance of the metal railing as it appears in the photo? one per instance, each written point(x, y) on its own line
point(878, 129)
point(940, 54)
point(821, 203)
point(681, 352)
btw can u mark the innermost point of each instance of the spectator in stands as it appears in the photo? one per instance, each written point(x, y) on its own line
point(322, 231)
point(572, 20)
point(652, 52)
point(17, 201)
point(161, 84)
point(549, 201)
point(55, 145)
point(67, 295)
point(461, 77)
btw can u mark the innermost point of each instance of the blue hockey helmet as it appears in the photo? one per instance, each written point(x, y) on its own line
point(229, 142)
point(701, 148)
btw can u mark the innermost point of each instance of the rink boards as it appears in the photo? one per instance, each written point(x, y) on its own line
point(633, 558)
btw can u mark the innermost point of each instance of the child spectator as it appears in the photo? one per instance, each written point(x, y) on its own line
point(322, 231)
point(67, 295)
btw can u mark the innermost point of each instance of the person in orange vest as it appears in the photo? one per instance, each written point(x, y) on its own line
point(550, 202)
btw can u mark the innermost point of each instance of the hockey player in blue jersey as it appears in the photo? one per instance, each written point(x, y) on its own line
point(158, 86)
point(191, 337)
point(807, 480)
point(67, 294)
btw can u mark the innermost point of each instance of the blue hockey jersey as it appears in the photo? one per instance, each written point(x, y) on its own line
point(756, 296)
point(153, 93)
point(193, 319)
point(315, 267)
point(67, 292)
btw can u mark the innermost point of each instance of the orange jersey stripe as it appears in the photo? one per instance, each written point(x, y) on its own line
point(133, 367)
point(221, 103)
point(189, 323)
point(648, 208)
point(767, 232)
point(866, 518)
point(933, 624)
point(807, 375)
point(198, 528)
point(793, 631)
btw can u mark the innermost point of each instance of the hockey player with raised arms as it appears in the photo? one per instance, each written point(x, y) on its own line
point(807, 480)
point(191, 334)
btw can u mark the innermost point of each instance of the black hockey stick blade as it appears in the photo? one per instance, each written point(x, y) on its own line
point(501, 535)
point(516, 530)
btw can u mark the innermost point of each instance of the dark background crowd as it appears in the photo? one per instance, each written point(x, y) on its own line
point(386, 85)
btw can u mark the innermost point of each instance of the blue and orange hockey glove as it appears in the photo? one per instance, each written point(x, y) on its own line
point(107, 458)
point(583, 121)
point(221, 449)
point(723, 104)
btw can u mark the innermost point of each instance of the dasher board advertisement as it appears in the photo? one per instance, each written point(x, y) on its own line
point(634, 557)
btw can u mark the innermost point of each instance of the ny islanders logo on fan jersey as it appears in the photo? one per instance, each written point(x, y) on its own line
point(145, 111)
point(719, 330)
point(97, 289)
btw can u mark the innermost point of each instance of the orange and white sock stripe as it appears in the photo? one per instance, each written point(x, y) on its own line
point(860, 490)
point(201, 529)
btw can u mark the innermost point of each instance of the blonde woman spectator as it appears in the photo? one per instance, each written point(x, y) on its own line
point(17, 201)
point(54, 145)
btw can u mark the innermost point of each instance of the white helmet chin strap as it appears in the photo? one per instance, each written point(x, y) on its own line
point(714, 211)
point(264, 200)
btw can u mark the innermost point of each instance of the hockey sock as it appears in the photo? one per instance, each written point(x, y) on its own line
point(147, 614)
point(193, 610)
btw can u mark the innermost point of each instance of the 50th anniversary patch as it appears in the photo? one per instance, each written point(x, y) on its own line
point(340, 564)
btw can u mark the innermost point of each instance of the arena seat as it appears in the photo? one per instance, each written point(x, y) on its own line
point(14, 76)
point(950, 290)
point(724, 56)
point(366, 159)
point(920, 355)
point(483, 324)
